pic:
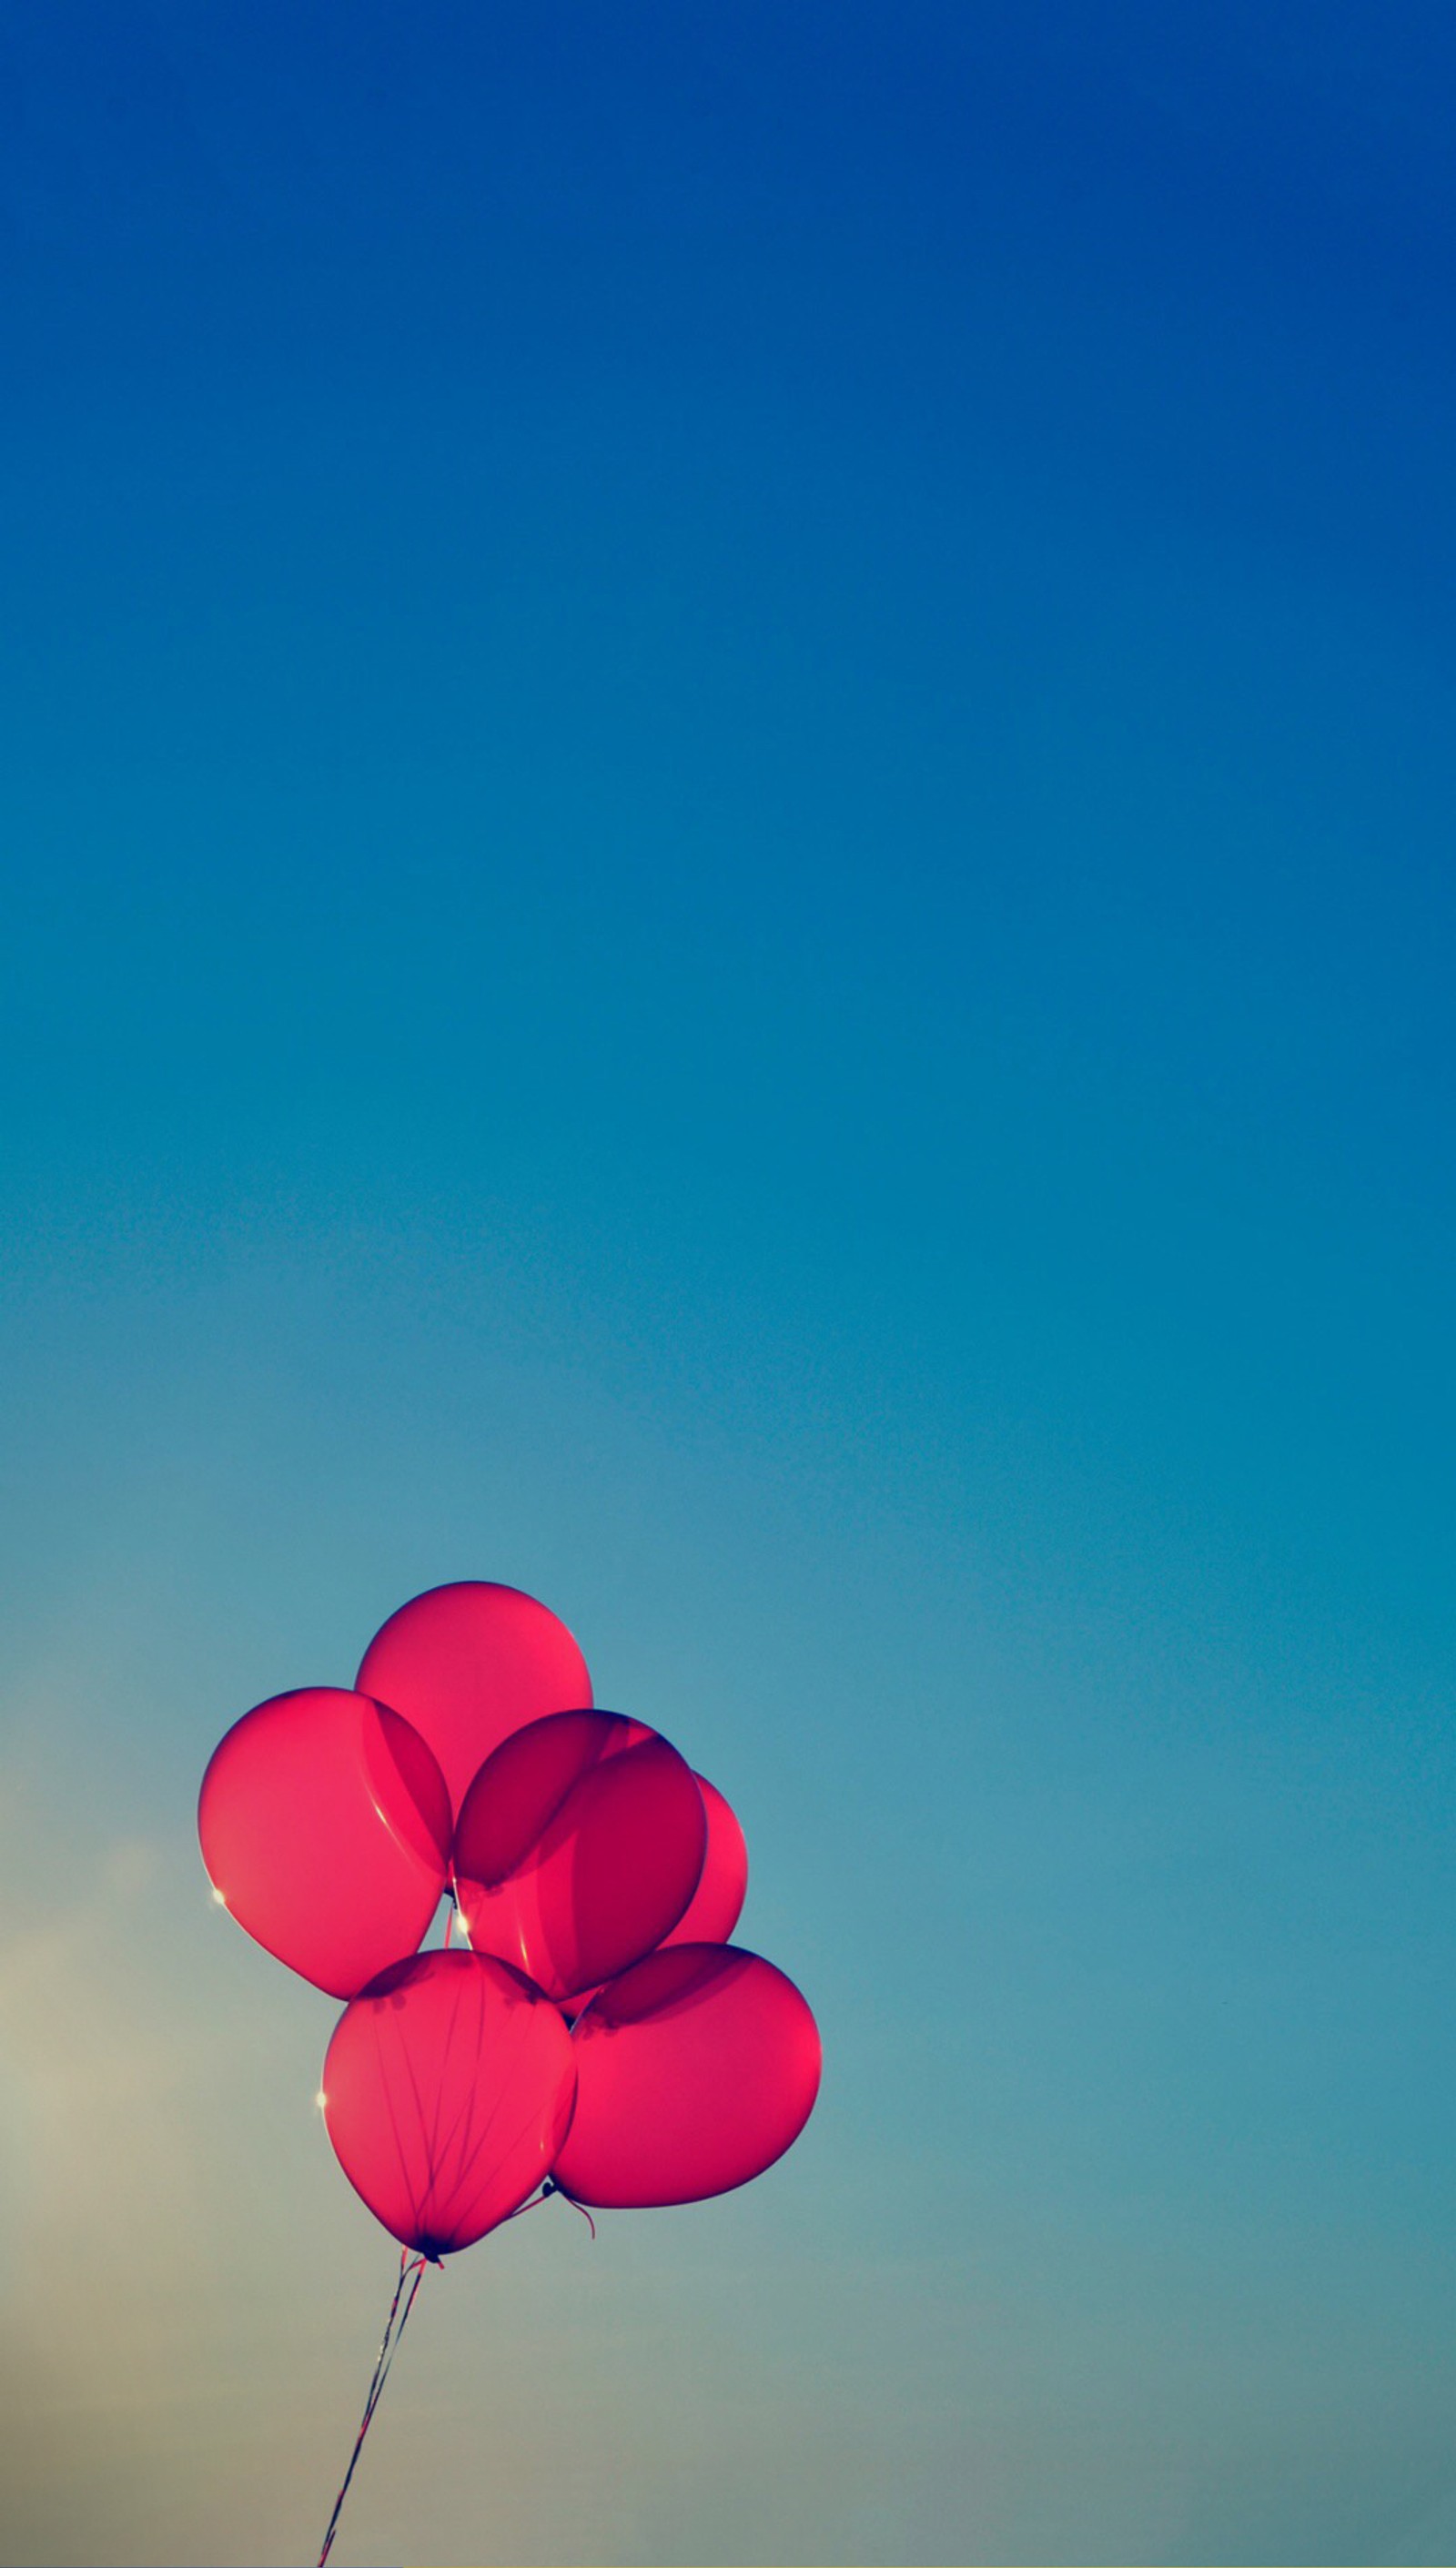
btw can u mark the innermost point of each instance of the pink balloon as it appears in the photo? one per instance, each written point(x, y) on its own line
point(469, 1662)
point(447, 2091)
point(695, 2072)
point(578, 1846)
point(718, 1902)
point(325, 1827)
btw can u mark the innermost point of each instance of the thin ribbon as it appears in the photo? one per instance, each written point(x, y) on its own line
point(412, 2270)
point(551, 2186)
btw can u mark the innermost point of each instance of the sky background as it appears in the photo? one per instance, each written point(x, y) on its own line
point(727, 816)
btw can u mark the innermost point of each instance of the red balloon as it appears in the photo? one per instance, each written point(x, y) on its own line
point(447, 2091)
point(694, 2073)
point(325, 1828)
point(718, 1902)
point(579, 1845)
point(469, 1664)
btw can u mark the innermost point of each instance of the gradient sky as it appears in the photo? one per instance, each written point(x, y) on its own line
point(727, 818)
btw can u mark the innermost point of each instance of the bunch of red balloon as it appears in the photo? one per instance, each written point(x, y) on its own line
point(594, 2028)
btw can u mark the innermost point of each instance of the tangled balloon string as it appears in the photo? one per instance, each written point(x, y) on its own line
point(593, 2033)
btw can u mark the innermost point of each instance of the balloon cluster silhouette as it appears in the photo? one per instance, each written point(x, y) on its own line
point(593, 2031)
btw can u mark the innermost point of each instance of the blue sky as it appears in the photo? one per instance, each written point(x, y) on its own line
point(726, 804)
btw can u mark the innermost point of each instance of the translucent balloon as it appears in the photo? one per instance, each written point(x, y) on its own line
point(469, 1664)
point(718, 1902)
point(325, 1828)
point(695, 2072)
point(579, 1845)
point(447, 2091)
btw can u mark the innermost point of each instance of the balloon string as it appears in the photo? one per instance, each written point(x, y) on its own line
point(535, 2205)
point(551, 2186)
point(548, 2188)
point(388, 2342)
point(454, 1919)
